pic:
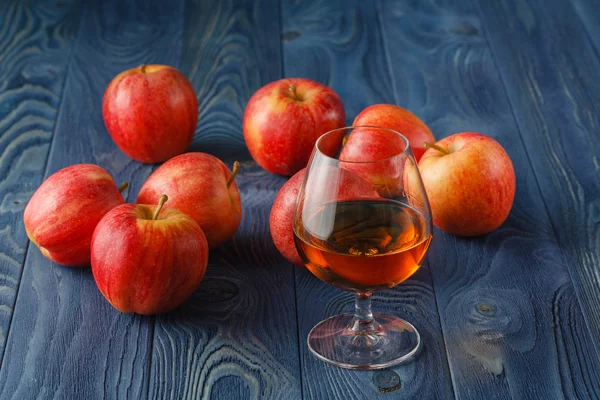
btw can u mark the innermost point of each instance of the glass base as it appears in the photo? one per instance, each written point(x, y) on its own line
point(335, 341)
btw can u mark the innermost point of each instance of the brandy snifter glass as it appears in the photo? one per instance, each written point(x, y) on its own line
point(362, 227)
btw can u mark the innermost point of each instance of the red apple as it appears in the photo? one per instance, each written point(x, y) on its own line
point(151, 112)
point(378, 146)
point(62, 214)
point(284, 119)
point(201, 186)
point(147, 260)
point(282, 213)
point(368, 153)
point(470, 183)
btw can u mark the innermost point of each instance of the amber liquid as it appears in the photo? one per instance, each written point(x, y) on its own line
point(363, 246)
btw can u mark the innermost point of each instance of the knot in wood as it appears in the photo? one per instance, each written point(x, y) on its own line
point(217, 291)
point(386, 381)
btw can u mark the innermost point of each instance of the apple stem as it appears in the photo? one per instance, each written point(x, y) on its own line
point(143, 68)
point(437, 147)
point(161, 203)
point(123, 186)
point(236, 167)
point(292, 90)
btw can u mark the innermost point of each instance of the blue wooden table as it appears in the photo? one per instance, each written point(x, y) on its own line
point(510, 315)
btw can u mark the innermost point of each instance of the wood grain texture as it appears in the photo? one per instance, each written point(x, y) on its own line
point(512, 326)
point(231, 49)
point(35, 43)
point(555, 97)
point(321, 42)
point(66, 341)
point(587, 11)
point(339, 44)
point(236, 338)
point(510, 303)
point(239, 326)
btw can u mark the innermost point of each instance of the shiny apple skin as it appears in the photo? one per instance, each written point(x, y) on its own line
point(196, 184)
point(151, 112)
point(147, 266)
point(280, 128)
point(471, 190)
point(62, 214)
point(378, 147)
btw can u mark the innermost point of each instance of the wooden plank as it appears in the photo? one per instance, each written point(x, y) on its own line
point(66, 341)
point(339, 43)
point(587, 11)
point(320, 43)
point(237, 337)
point(229, 53)
point(555, 97)
point(35, 43)
point(512, 324)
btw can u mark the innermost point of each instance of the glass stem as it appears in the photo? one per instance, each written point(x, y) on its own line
point(363, 322)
